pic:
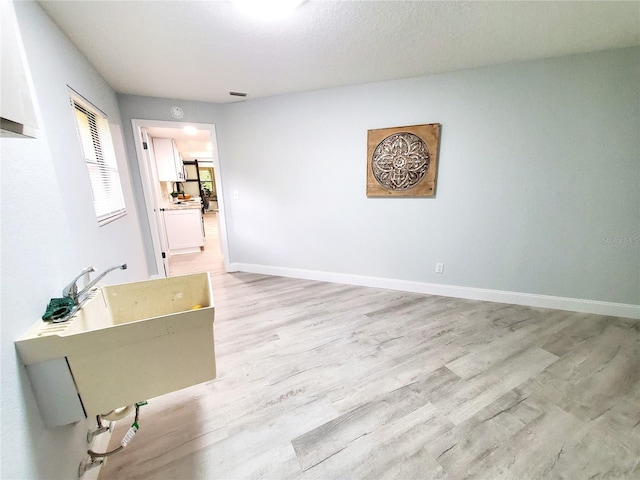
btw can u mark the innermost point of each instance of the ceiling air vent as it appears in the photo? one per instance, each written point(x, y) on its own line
point(237, 94)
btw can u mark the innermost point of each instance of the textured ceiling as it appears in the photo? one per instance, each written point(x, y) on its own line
point(196, 50)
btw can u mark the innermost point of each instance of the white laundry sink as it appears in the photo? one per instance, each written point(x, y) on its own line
point(131, 342)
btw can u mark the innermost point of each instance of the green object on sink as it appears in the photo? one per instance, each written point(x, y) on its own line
point(58, 308)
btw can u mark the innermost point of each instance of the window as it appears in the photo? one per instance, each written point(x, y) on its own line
point(100, 158)
point(207, 184)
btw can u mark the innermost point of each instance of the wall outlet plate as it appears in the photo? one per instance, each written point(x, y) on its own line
point(439, 267)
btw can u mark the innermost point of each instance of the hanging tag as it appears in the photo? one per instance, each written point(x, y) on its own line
point(127, 438)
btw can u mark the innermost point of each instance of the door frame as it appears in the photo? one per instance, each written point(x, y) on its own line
point(149, 175)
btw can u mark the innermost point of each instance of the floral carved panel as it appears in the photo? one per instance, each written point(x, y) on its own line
point(403, 161)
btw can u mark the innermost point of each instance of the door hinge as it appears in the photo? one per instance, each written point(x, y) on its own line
point(164, 255)
point(144, 146)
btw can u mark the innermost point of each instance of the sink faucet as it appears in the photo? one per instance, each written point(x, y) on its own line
point(71, 290)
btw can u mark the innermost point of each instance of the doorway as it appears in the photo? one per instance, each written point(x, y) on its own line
point(199, 144)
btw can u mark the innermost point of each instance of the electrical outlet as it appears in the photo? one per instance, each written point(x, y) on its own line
point(236, 195)
point(439, 267)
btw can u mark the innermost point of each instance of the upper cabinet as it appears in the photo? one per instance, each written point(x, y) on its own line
point(168, 160)
point(18, 111)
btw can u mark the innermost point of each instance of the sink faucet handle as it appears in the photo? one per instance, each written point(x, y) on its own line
point(71, 290)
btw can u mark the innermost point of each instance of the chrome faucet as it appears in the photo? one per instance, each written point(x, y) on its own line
point(71, 290)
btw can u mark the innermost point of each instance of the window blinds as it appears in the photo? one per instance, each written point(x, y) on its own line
point(100, 158)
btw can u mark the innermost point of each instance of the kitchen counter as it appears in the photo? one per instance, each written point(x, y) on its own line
point(183, 205)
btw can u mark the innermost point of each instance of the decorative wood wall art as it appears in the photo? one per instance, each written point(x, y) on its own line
point(403, 161)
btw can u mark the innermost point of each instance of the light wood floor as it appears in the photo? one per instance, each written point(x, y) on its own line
point(320, 380)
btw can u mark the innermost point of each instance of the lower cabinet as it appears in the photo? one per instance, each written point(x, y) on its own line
point(184, 230)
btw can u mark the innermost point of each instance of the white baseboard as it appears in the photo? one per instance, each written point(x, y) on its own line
point(516, 298)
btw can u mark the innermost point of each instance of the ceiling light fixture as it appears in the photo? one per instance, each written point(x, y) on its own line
point(267, 9)
point(189, 130)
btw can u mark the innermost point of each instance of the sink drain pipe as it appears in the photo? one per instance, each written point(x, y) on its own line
point(96, 459)
point(117, 415)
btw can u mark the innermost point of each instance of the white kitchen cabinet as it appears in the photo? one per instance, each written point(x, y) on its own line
point(184, 230)
point(168, 160)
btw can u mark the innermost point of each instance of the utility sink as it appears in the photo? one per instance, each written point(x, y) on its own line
point(131, 342)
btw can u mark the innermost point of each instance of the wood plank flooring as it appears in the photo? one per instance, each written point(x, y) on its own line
point(322, 381)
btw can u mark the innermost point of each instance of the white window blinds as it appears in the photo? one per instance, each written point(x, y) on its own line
point(100, 158)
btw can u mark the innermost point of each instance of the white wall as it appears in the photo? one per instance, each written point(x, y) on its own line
point(538, 180)
point(49, 233)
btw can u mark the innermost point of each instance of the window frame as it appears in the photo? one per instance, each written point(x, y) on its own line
point(211, 181)
point(98, 152)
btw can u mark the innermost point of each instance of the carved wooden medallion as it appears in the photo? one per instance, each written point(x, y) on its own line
point(402, 161)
